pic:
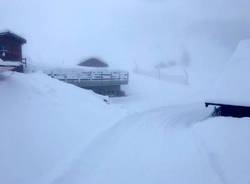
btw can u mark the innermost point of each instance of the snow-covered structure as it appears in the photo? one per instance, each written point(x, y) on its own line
point(100, 80)
point(93, 62)
point(231, 92)
point(11, 52)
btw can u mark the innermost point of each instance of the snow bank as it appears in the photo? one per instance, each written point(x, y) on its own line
point(44, 123)
point(150, 147)
point(55, 133)
point(225, 142)
point(145, 92)
point(166, 145)
point(233, 85)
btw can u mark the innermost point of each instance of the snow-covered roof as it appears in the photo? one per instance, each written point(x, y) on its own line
point(233, 86)
point(93, 62)
point(13, 35)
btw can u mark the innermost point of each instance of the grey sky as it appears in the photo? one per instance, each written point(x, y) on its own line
point(122, 31)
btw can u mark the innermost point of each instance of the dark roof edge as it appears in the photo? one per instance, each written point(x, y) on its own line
point(91, 59)
point(220, 104)
point(9, 33)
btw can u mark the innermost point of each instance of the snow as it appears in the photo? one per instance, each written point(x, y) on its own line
point(43, 124)
point(226, 143)
point(175, 74)
point(145, 92)
point(166, 145)
point(232, 87)
point(10, 63)
point(55, 133)
point(150, 147)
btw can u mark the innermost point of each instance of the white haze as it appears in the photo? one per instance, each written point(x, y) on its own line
point(124, 32)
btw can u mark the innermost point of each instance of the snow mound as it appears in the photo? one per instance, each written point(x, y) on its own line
point(233, 86)
point(44, 123)
point(224, 141)
point(150, 147)
point(145, 93)
point(166, 145)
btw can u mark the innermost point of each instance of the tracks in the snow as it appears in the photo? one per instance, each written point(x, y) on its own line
point(156, 124)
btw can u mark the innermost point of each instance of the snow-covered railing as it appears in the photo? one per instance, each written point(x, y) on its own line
point(93, 77)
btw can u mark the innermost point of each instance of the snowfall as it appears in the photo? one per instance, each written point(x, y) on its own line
point(161, 132)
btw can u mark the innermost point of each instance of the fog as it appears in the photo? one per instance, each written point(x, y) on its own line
point(125, 32)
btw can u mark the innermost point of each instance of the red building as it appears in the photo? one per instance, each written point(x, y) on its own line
point(11, 50)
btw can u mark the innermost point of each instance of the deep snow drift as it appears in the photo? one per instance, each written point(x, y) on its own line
point(163, 141)
point(166, 145)
point(145, 93)
point(55, 133)
point(232, 87)
point(44, 123)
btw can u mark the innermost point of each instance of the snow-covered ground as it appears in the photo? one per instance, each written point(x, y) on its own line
point(55, 133)
point(145, 93)
point(166, 138)
point(166, 145)
point(44, 123)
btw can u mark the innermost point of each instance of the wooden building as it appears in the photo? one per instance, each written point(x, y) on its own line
point(93, 62)
point(11, 50)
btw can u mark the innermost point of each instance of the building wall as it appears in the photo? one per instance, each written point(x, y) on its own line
point(112, 91)
point(13, 49)
point(234, 111)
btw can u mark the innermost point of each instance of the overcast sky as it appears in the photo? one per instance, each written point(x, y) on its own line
point(124, 31)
